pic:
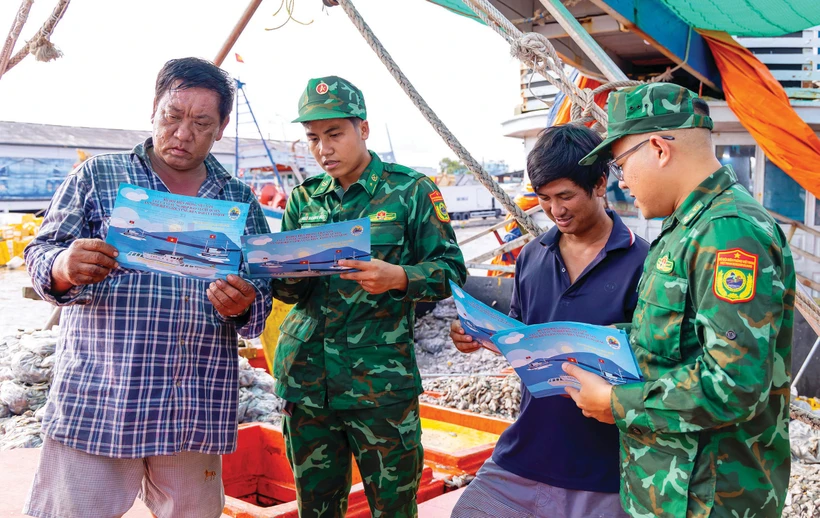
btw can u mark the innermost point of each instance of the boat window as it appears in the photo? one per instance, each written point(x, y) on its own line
point(817, 212)
point(782, 194)
point(742, 160)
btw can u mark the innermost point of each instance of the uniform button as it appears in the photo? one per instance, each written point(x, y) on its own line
point(178, 383)
point(731, 335)
point(563, 270)
point(634, 430)
point(186, 299)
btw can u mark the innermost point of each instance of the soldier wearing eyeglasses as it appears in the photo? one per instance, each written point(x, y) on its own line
point(706, 432)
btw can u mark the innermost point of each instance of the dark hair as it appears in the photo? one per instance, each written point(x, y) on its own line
point(700, 107)
point(197, 73)
point(353, 120)
point(557, 153)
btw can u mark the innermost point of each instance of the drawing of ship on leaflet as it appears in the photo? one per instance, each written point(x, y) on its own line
point(136, 234)
point(172, 263)
point(214, 253)
point(320, 263)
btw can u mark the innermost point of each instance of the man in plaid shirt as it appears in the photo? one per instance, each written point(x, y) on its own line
point(144, 395)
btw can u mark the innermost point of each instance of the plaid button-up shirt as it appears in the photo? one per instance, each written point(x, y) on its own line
point(145, 365)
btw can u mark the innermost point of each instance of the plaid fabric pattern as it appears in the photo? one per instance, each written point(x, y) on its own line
point(145, 365)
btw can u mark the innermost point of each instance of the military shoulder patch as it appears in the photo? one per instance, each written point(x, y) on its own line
point(735, 276)
point(438, 205)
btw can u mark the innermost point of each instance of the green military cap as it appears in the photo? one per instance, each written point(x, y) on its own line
point(331, 97)
point(644, 109)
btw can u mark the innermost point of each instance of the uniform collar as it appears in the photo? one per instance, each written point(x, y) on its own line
point(369, 179)
point(620, 237)
point(702, 196)
point(214, 170)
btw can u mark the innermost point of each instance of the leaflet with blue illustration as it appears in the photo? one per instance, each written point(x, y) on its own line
point(536, 352)
point(181, 235)
point(479, 320)
point(307, 252)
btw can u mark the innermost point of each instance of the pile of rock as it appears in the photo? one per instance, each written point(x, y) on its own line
point(803, 499)
point(26, 368)
point(435, 352)
point(257, 402)
point(489, 395)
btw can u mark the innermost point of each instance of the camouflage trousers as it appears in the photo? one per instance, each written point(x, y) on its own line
point(386, 443)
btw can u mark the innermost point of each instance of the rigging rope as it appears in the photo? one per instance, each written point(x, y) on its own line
point(14, 33)
point(40, 45)
point(523, 219)
point(538, 54)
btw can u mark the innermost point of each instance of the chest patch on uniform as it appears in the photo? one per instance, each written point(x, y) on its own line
point(664, 264)
point(383, 216)
point(441, 209)
point(735, 276)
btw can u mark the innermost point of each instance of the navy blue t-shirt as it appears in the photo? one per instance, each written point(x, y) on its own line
point(551, 441)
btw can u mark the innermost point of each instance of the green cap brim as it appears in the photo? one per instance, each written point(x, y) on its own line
point(603, 150)
point(320, 114)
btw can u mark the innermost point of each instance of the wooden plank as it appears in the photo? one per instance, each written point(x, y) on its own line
point(512, 245)
point(804, 93)
point(779, 43)
point(806, 255)
point(497, 226)
point(805, 281)
point(601, 24)
point(662, 29)
point(788, 59)
point(796, 75)
point(783, 219)
point(547, 91)
point(493, 267)
point(29, 293)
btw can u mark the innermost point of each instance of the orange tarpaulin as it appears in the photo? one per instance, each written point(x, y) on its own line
point(563, 115)
point(763, 108)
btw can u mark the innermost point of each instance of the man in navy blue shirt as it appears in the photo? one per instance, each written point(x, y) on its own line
point(554, 462)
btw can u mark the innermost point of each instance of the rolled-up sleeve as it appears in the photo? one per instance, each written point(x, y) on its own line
point(66, 220)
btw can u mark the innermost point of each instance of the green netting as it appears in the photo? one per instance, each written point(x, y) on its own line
point(748, 17)
point(458, 7)
point(737, 17)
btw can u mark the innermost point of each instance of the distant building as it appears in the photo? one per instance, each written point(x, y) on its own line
point(35, 158)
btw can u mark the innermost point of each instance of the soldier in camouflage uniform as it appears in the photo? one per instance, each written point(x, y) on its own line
point(706, 433)
point(345, 360)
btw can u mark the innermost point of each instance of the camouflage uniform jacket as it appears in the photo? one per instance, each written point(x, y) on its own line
point(341, 346)
point(707, 433)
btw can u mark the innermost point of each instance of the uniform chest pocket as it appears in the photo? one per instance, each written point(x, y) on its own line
point(387, 241)
point(660, 313)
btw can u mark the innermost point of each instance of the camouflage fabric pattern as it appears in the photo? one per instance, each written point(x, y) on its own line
point(707, 433)
point(645, 109)
point(341, 346)
point(331, 98)
point(386, 443)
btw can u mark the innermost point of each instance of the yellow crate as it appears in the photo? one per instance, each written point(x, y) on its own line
point(20, 245)
point(5, 252)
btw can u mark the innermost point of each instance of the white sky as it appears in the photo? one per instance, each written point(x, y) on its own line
point(114, 49)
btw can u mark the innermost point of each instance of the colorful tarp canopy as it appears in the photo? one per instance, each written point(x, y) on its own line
point(748, 17)
point(763, 108)
point(737, 17)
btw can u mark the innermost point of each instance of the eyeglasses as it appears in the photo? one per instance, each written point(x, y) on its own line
point(616, 170)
